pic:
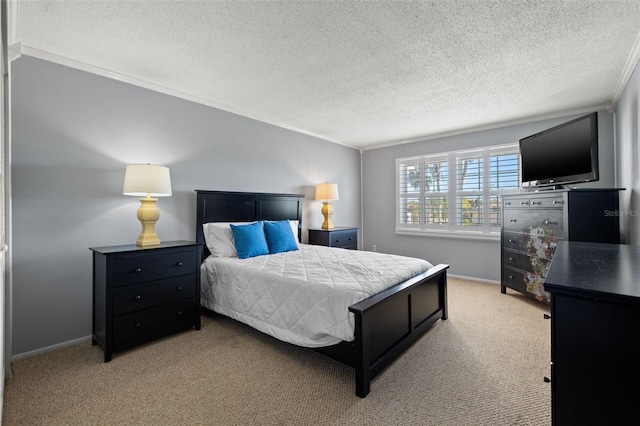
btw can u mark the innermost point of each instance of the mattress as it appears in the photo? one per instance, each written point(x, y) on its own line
point(302, 296)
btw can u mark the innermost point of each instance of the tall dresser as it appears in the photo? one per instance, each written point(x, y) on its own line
point(533, 223)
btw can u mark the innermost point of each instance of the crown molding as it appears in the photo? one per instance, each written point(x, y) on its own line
point(21, 49)
point(13, 8)
point(629, 66)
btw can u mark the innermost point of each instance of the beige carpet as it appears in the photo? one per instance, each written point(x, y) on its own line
point(483, 366)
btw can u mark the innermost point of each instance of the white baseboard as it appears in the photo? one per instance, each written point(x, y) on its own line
point(482, 280)
point(42, 351)
point(57, 346)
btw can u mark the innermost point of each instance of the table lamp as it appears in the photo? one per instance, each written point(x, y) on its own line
point(147, 180)
point(327, 192)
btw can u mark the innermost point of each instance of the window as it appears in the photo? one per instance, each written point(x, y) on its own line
point(456, 191)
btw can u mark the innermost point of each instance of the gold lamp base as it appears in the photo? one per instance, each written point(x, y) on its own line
point(327, 212)
point(148, 215)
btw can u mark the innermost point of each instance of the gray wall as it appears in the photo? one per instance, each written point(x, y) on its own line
point(74, 133)
point(628, 157)
point(470, 258)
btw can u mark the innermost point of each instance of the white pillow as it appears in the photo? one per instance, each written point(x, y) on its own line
point(219, 238)
point(294, 229)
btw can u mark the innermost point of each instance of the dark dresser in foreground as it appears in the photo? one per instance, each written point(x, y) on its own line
point(140, 294)
point(595, 334)
point(342, 237)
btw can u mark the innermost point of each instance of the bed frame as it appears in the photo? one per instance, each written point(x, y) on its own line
point(385, 324)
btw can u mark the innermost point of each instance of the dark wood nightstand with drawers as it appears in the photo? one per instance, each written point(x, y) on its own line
point(342, 237)
point(143, 293)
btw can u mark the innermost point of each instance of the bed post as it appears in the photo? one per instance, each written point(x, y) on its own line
point(363, 372)
point(443, 296)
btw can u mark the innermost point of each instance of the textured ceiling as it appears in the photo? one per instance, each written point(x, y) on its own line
point(359, 73)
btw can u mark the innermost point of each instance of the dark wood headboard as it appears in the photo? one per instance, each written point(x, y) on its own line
point(223, 206)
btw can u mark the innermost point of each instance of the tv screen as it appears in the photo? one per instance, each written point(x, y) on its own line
point(564, 154)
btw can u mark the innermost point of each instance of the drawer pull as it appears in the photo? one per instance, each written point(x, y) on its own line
point(512, 220)
point(179, 264)
point(511, 259)
point(533, 203)
point(179, 313)
point(548, 222)
point(179, 288)
point(510, 240)
point(138, 325)
point(350, 238)
point(137, 297)
point(337, 241)
point(524, 203)
point(137, 270)
point(511, 277)
point(557, 202)
point(507, 204)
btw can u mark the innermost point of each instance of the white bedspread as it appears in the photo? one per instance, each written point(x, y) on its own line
point(302, 297)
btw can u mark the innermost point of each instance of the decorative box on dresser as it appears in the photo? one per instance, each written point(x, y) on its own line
point(342, 237)
point(595, 334)
point(534, 222)
point(143, 293)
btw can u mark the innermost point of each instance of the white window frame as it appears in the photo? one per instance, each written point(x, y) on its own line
point(452, 228)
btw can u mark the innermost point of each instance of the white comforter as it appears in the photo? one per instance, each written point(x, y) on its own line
point(302, 297)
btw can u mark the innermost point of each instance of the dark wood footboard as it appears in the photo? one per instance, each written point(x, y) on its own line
point(389, 322)
point(385, 324)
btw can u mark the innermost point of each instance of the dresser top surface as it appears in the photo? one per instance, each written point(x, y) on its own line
point(133, 247)
point(550, 192)
point(612, 269)
point(337, 228)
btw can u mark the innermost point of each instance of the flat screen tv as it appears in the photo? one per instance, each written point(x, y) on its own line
point(561, 155)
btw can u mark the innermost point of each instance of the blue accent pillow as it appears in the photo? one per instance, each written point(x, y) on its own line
point(279, 236)
point(249, 239)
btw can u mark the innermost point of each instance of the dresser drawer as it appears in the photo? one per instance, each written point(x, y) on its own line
point(141, 296)
point(515, 203)
point(161, 319)
point(514, 279)
point(547, 222)
point(547, 202)
point(526, 262)
point(144, 267)
point(516, 260)
point(531, 243)
point(344, 239)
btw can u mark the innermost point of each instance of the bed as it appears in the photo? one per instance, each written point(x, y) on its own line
point(384, 324)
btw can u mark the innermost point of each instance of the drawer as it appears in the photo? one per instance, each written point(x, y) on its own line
point(548, 222)
point(547, 202)
point(344, 239)
point(515, 203)
point(141, 296)
point(165, 318)
point(525, 282)
point(532, 243)
point(526, 262)
point(147, 267)
point(514, 279)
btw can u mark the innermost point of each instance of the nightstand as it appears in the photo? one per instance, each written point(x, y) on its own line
point(143, 293)
point(342, 237)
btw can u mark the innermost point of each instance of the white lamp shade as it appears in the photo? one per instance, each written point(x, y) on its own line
point(327, 191)
point(147, 179)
